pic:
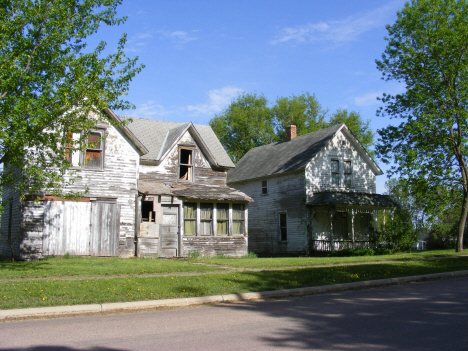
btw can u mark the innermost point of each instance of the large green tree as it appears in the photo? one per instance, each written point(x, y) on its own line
point(427, 51)
point(246, 123)
point(51, 83)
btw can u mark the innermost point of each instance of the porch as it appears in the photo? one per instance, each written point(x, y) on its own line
point(339, 220)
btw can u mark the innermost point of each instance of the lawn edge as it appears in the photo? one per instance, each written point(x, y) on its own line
point(40, 312)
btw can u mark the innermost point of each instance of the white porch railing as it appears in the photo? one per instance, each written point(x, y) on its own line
point(325, 245)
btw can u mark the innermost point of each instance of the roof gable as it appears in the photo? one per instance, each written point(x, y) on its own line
point(293, 155)
point(160, 137)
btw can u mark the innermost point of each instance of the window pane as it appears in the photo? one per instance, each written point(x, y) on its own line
point(93, 159)
point(335, 166)
point(190, 210)
point(94, 140)
point(222, 228)
point(206, 228)
point(206, 211)
point(222, 211)
point(189, 227)
point(237, 211)
point(347, 166)
point(335, 179)
point(347, 179)
point(238, 227)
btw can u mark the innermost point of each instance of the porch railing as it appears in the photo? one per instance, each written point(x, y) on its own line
point(326, 245)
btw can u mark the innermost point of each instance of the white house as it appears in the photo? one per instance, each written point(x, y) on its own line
point(311, 192)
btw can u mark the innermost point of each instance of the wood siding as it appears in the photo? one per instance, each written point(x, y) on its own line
point(212, 246)
point(286, 194)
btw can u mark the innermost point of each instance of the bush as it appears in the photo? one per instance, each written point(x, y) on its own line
point(383, 251)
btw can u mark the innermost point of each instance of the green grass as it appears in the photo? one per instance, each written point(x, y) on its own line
point(279, 262)
point(95, 266)
point(53, 292)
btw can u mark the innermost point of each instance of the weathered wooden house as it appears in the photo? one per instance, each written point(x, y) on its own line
point(312, 192)
point(155, 188)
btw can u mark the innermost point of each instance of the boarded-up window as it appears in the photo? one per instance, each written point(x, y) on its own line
point(335, 172)
point(264, 187)
point(94, 150)
point(206, 219)
point(348, 173)
point(238, 219)
point(190, 218)
point(222, 212)
point(283, 226)
point(185, 164)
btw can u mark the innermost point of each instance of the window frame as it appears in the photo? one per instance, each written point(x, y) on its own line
point(264, 187)
point(190, 166)
point(77, 155)
point(348, 176)
point(335, 172)
point(283, 229)
point(99, 149)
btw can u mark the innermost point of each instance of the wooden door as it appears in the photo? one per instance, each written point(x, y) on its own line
point(169, 231)
point(105, 229)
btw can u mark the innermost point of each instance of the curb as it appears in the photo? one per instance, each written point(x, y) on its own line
point(190, 301)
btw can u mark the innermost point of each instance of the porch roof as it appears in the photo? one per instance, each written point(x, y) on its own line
point(193, 191)
point(351, 199)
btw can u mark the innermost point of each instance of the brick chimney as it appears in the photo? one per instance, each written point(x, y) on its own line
point(291, 132)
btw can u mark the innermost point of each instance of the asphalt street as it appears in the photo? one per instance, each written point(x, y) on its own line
point(420, 316)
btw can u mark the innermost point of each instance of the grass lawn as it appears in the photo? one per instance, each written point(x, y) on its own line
point(95, 266)
point(279, 262)
point(29, 292)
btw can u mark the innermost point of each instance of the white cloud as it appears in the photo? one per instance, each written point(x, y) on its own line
point(180, 37)
point(336, 33)
point(368, 99)
point(150, 109)
point(218, 100)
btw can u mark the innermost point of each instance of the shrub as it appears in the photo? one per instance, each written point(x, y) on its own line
point(383, 251)
point(442, 236)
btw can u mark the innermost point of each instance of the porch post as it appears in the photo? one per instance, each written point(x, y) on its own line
point(384, 215)
point(352, 227)
point(331, 231)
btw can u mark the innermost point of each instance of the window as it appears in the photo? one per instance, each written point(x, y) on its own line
point(94, 150)
point(348, 173)
point(264, 187)
point(190, 218)
point(222, 214)
point(91, 156)
point(283, 227)
point(238, 219)
point(185, 164)
point(206, 219)
point(335, 172)
point(147, 211)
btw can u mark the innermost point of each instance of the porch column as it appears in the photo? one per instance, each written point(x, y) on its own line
point(331, 231)
point(383, 222)
point(352, 227)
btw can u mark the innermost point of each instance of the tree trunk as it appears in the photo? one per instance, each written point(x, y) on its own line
point(461, 223)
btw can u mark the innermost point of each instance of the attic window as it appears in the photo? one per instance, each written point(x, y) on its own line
point(186, 164)
point(347, 173)
point(335, 172)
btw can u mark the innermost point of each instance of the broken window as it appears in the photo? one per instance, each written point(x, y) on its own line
point(186, 164)
point(91, 156)
point(348, 174)
point(238, 219)
point(147, 211)
point(335, 172)
point(264, 187)
point(283, 226)
point(190, 218)
point(222, 214)
point(206, 219)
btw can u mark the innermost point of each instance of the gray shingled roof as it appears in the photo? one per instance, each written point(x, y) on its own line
point(355, 199)
point(158, 136)
point(193, 191)
point(281, 157)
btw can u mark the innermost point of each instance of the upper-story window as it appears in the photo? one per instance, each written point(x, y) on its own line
point(186, 164)
point(92, 154)
point(264, 187)
point(348, 174)
point(335, 172)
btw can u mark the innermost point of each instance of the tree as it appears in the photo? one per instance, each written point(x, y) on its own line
point(360, 128)
point(304, 111)
point(52, 83)
point(246, 123)
point(427, 51)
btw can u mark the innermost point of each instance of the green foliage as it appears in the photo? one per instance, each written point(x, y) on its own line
point(427, 52)
point(249, 122)
point(245, 124)
point(360, 128)
point(52, 83)
point(442, 236)
point(304, 111)
point(398, 234)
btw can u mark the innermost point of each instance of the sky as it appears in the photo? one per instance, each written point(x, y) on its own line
point(199, 55)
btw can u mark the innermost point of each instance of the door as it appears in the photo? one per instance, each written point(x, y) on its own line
point(169, 233)
point(105, 229)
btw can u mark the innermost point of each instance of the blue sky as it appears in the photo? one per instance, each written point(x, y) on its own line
point(200, 55)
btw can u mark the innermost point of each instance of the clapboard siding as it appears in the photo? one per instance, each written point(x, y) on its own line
point(286, 194)
point(212, 246)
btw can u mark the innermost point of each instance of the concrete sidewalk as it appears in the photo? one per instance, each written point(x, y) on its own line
point(138, 305)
